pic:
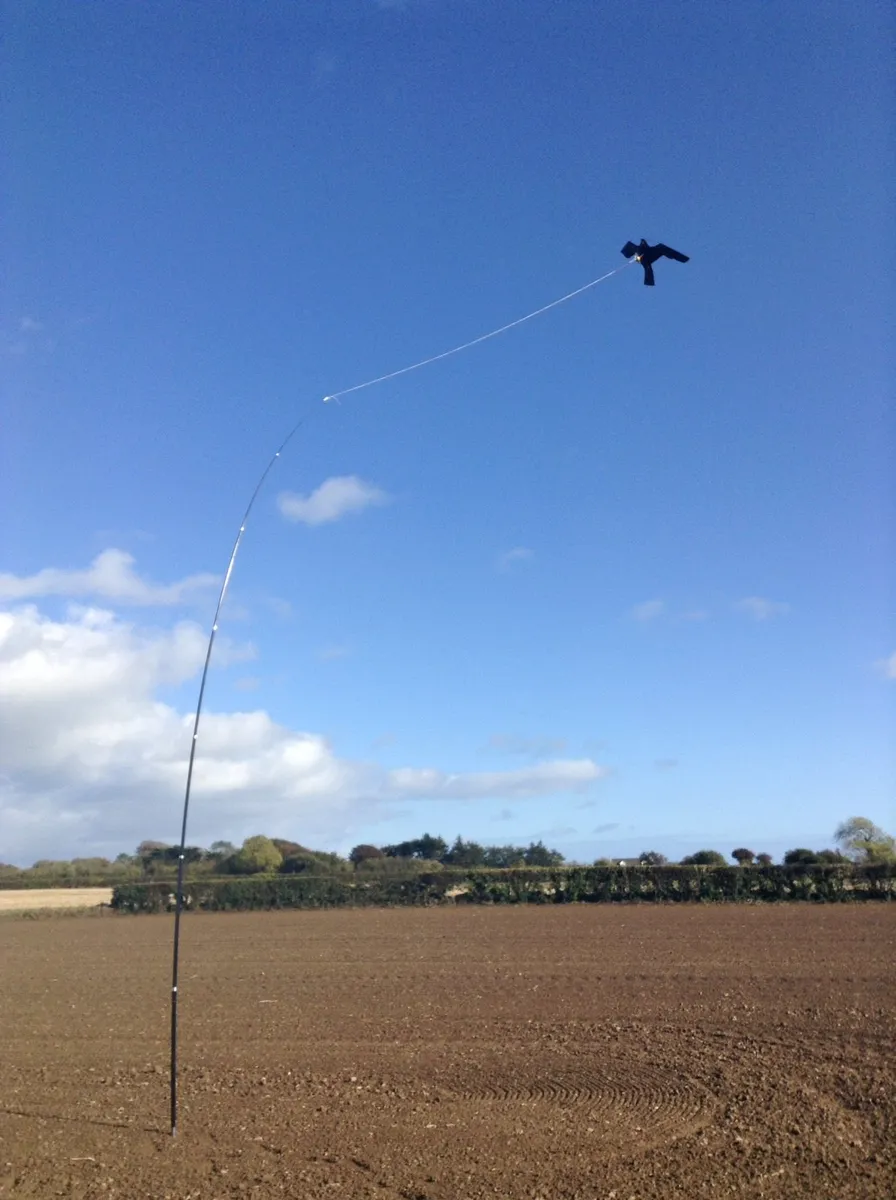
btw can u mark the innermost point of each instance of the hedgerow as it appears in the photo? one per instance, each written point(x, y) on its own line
point(524, 885)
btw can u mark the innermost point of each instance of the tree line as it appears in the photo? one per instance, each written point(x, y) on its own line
point(857, 840)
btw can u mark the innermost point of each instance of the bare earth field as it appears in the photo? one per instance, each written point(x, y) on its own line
point(30, 899)
point(596, 1052)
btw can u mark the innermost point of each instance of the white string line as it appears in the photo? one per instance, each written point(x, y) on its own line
point(482, 338)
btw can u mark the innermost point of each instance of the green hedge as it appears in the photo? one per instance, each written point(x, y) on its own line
point(29, 881)
point(531, 885)
point(12, 883)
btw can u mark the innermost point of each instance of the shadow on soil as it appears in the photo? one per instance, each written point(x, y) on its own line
point(49, 1116)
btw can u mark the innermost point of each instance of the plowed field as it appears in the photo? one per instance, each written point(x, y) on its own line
point(596, 1052)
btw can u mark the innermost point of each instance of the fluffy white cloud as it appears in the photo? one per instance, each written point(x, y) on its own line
point(95, 761)
point(761, 609)
point(111, 576)
point(334, 498)
point(888, 666)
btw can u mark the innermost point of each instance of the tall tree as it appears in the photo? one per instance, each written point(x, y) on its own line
point(862, 840)
point(800, 857)
point(365, 852)
point(538, 855)
point(465, 854)
point(704, 858)
point(256, 855)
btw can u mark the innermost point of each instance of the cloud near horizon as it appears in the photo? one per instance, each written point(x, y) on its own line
point(95, 761)
point(336, 497)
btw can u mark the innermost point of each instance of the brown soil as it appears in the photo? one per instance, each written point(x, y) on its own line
point(591, 1052)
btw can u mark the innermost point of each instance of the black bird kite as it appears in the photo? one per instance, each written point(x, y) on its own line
point(647, 256)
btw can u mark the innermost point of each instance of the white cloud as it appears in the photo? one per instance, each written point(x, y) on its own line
point(649, 610)
point(109, 577)
point(761, 609)
point(335, 497)
point(888, 666)
point(95, 761)
point(517, 554)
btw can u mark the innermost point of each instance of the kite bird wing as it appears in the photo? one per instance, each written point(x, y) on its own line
point(667, 252)
point(629, 249)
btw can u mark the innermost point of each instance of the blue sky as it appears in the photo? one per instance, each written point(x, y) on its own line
point(619, 578)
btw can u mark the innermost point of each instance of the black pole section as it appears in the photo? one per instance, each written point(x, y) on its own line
point(178, 900)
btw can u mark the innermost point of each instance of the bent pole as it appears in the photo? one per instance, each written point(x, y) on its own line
point(178, 900)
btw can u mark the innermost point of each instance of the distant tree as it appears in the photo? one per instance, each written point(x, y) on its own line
point(314, 862)
point(428, 847)
point(464, 854)
point(538, 855)
point(504, 856)
point(257, 854)
point(399, 850)
point(864, 841)
point(301, 864)
point(743, 857)
point(364, 852)
point(652, 858)
point(764, 860)
point(169, 855)
point(125, 860)
point(832, 857)
point(288, 848)
point(146, 848)
point(222, 849)
point(800, 857)
point(400, 866)
point(432, 848)
point(705, 858)
point(332, 863)
point(90, 866)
